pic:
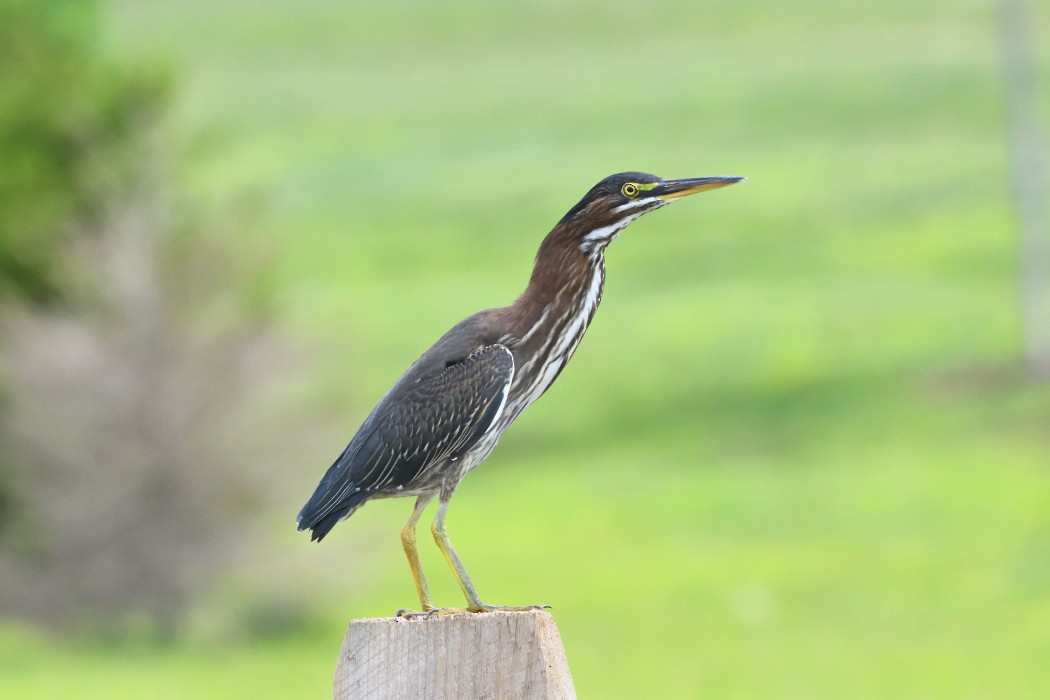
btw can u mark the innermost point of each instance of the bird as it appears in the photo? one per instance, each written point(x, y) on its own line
point(445, 415)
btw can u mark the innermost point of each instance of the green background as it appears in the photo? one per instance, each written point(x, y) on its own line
point(797, 454)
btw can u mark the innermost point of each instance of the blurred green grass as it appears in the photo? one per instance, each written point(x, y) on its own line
point(796, 455)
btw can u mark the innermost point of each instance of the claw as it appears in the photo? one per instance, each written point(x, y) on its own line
point(427, 614)
point(407, 614)
point(483, 608)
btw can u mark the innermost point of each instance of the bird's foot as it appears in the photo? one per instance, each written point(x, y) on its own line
point(428, 613)
point(476, 608)
point(480, 607)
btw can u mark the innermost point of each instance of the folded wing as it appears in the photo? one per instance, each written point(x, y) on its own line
point(417, 426)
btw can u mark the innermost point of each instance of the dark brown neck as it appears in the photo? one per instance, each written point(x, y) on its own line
point(561, 274)
point(546, 323)
point(562, 295)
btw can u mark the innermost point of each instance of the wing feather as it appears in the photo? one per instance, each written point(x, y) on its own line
point(413, 429)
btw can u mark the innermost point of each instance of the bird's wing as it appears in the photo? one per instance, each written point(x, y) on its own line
point(411, 430)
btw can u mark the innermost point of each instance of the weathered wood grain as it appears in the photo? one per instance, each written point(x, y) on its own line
point(458, 656)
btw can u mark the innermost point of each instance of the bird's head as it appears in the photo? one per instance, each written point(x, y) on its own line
point(620, 199)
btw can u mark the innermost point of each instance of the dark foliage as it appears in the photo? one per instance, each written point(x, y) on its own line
point(134, 342)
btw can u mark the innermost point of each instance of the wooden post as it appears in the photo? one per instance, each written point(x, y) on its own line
point(458, 656)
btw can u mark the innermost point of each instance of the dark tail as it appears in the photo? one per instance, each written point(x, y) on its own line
point(321, 528)
point(321, 522)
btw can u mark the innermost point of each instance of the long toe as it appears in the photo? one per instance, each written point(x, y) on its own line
point(483, 607)
point(426, 614)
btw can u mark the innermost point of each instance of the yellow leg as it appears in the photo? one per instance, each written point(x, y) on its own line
point(445, 545)
point(474, 604)
point(408, 541)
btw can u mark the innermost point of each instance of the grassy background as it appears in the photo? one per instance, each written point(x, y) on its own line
point(796, 455)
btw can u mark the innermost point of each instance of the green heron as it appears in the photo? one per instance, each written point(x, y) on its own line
point(448, 411)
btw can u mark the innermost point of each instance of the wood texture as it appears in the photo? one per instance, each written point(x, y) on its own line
point(459, 656)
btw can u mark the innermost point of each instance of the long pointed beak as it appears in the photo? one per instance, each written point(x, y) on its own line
point(673, 189)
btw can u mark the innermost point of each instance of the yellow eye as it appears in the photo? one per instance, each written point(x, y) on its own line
point(629, 190)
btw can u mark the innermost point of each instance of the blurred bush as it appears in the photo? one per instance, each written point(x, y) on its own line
point(135, 334)
point(66, 118)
